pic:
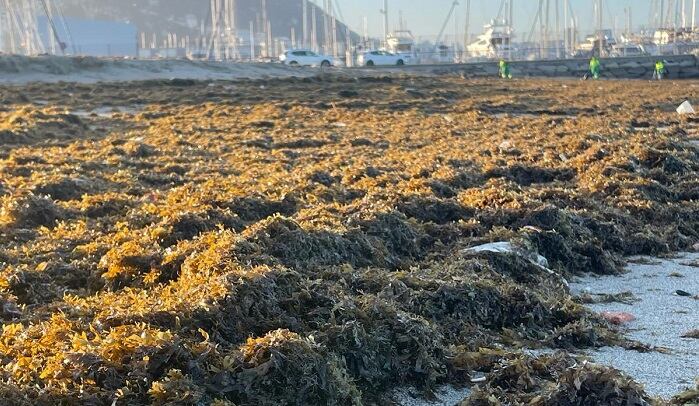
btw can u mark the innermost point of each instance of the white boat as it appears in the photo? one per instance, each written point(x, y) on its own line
point(627, 49)
point(443, 53)
point(603, 39)
point(402, 43)
point(672, 42)
point(631, 44)
point(495, 42)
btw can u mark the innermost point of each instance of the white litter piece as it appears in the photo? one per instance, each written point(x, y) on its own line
point(503, 246)
point(506, 247)
point(686, 108)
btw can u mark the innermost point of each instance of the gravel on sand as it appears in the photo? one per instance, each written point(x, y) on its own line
point(446, 396)
point(662, 317)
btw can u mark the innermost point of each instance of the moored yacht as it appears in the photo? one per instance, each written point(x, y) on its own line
point(495, 42)
point(402, 43)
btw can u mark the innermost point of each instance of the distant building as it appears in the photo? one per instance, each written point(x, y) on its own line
point(91, 37)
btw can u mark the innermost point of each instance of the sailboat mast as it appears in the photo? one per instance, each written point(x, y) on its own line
point(365, 31)
point(385, 22)
point(333, 27)
point(348, 47)
point(270, 45)
point(467, 26)
point(304, 35)
point(234, 28)
point(511, 27)
point(326, 28)
point(575, 23)
point(547, 36)
point(558, 30)
point(252, 41)
point(662, 14)
point(565, 28)
point(600, 24)
point(266, 29)
point(14, 28)
point(314, 28)
point(541, 29)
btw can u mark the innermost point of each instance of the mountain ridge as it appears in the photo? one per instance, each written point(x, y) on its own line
point(186, 17)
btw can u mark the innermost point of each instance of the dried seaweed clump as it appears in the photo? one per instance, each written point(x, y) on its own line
point(29, 211)
point(175, 388)
point(65, 189)
point(28, 124)
point(125, 262)
point(285, 368)
point(188, 225)
point(61, 357)
point(556, 379)
point(8, 305)
point(292, 245)
point(383, 345)
point(136, 149)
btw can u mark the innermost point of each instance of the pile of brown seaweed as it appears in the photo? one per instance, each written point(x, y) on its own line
point(556, 380)
point(27, 124)
point(244, 243)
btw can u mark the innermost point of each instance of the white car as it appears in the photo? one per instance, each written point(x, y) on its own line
point(304, 57)
point(376, 58)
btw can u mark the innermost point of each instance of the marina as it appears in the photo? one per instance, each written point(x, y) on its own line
point(222, 33)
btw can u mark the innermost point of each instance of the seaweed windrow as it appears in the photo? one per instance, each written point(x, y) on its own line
point(273, 249)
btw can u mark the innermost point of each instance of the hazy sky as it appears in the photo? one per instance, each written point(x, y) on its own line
point(425, 17)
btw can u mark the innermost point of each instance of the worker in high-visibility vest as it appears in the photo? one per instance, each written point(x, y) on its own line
point(660, 70)
point(505, 69)
point(595, 67)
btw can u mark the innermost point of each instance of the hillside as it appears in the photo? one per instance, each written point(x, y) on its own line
point(187, 16)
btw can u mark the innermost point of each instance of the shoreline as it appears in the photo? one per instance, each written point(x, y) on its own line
point(661, 318)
